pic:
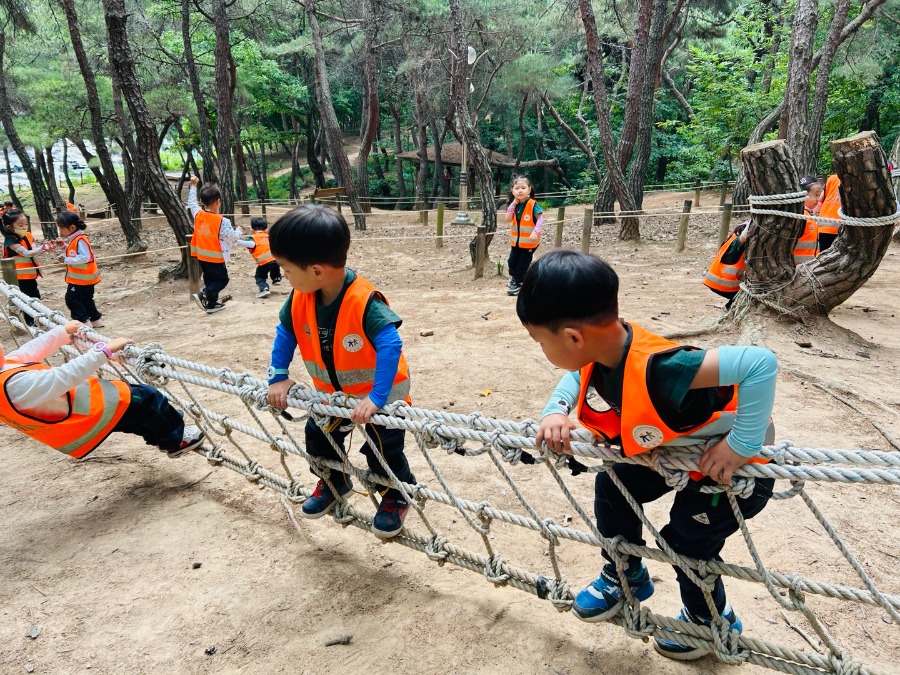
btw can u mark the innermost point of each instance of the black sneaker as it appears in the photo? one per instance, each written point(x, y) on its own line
point(389, 517)
point(214, 307)
point(276, 282)
point(513, 288)
point(200, 299)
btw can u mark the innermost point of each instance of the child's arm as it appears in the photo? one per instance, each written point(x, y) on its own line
point(228, 234)
point(511, 211)
point(192, 203)
point(246, 243)
point(44, 345)
point(81, 257)
point(556, 427)
point(28, 252)
point(538, 228)
point(754, 371)
point(282, 354)
point(388, 347)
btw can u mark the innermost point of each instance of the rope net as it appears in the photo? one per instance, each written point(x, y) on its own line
point(452, 526)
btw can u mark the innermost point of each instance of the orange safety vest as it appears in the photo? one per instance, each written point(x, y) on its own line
point(94, 408)
point(722, 277)
point(354, 354)
point(205, 244)
point(521, 230)
point(807, 246)
point(830, 204)
point(26, 267)
point(71, 207)
point(86, 274)
point(638, 425)
point(261, 251)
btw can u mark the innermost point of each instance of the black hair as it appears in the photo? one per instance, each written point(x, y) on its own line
point(565, 287)
point(258, 224)
point(68, 219)
point(808, 181)
point(311, 235)
point(8, 205)
point(512, 184)
point(10, 217)
point(209, 193)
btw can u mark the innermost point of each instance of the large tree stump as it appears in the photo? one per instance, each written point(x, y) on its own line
point(815, 288)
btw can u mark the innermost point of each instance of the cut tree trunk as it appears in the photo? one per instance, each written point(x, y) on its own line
point(815, 288)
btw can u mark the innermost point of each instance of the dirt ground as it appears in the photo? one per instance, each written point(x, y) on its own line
point(133, 563)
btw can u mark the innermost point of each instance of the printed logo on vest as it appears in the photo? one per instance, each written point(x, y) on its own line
point(526, 217)
point(701, 518)
point(353, 343)
point(647, 436)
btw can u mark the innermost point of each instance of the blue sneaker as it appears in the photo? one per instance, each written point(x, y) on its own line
point(323, 500)
point(605, 597)
point(389, 518)
point(674, 650)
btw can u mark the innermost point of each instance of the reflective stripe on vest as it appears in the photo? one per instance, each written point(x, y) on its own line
point(261, 251)
point(830, 204)
point(205, 244)
point(26, 267)
point(94, 408)
point(807, 246)
point(638, 425)
point(86, 274)
point(354, 355)
point(520, 230)
point(722, 277)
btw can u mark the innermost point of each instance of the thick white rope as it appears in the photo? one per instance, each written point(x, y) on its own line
point(796, 197)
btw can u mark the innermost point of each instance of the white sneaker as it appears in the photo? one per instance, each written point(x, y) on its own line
point(263, 294)
point(96, 324)
point(190, 439)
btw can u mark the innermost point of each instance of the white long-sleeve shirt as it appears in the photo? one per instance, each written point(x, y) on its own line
point(228, 234)
point(43, 392)
point(82, 251)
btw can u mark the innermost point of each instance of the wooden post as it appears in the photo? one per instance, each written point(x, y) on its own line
point(193, 269)
point(262, 203)
point(697, 192)
point(480, 246)
point(725, 225)
point(423, 215)
point(560, 217)
point(586, 229)
point(440, 225)
point(9, 271)
point(683, 226)
point(724, 194)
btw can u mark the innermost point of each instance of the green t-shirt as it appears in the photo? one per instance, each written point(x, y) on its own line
point(669, 386)
point(378, 315)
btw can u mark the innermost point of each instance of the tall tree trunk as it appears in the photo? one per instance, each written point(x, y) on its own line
point(398, 148)
point(312, 159)
point(110, 183)
point(147, 161)
point(371, 107)
point(836, 274)
point(190, 64)
point(794, 126)
point(438, 178)
point(329, 120)
point(42, 202)
point(13, 197)
point(50, 176)
point(421, 115)
point(459, 95)
point(224, 105)
point(545, 173)
point(65, 167)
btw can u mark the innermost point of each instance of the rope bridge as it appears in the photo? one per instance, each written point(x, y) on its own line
point(262, 444)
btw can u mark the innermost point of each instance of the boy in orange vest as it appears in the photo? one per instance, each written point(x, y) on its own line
point(266, 265)
point(347, 337)
point(210, 243)
point(651, 393)
point(68, 409)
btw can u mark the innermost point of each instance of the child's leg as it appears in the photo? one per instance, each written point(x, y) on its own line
point(215, 276)
point(30, 288)
point(615, 517)
point(318, 445)
point(260, 277)
point(389, 443)
point(525, 257)
point(274, 271)
point(151, 416)
point(698, 526)
point(93, 312)
point(512, 264)
point(75, 302)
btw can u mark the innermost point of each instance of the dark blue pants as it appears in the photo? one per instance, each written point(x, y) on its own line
point(215, 278)
point(391, 446)
point(698, 523)
point(152, 417)
point(518, 263)
point(269, 270)
point(80, 301)
point(30, 288)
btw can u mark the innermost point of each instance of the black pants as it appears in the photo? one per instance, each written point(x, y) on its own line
point(698, 523)
point(152, 417)
point(728, 295)
point(271, 270)
point(80, 301)
point(215, 278)
point(391, 447)
point(30, 288)
point(826, 240)
point(519, 262)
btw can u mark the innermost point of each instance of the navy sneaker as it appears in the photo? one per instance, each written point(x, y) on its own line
point(674, 650)
point(605, 597)
point(389, 518)
point(200, 299)
point(323, 500)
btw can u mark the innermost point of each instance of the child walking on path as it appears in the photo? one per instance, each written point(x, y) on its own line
point(68, 409)
point(210, 244)
point(266, 265)
point(18, 244)
point(652, 393)
point(82, 273)
point(347, 336)
point(526, 223)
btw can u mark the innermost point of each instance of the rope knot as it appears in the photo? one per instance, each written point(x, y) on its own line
point(662, 463)
point(508, 452)
point(435, 549)
point(636, 621)
point(214, 455)
point(726, 642)
point(342, 513)
point(493, 571)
